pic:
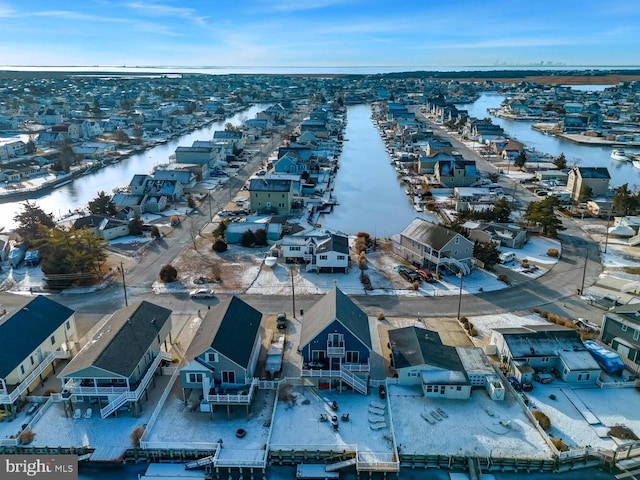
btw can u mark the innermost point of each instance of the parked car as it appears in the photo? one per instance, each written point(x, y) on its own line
point(281, 321)
point(409, 275)
point(202, 293)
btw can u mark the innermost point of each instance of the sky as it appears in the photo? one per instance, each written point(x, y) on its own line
point(319, 33)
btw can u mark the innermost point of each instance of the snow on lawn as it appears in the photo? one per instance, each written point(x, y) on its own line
point(611, 406)
point(478, 425)
point(484, 324)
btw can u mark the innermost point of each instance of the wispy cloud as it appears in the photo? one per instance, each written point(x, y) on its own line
point(160, 10)
point(296, 6)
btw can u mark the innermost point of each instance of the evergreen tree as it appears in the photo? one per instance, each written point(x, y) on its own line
point(102, 205)
point(520, 160)
point(543, 213)
point(30, 220)
point(135, 225)
point(487, 252)
point(560, 161)
point(502, 211)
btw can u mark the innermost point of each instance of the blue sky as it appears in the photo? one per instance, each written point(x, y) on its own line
point(319, 33)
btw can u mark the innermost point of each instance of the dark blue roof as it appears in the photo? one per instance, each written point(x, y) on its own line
point(25, 330)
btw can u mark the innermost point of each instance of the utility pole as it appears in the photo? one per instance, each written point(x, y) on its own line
point(293, 291)
point(460, 294)
point(124, 285)
point(584, 272)
point(210, 213)
point(606, 235)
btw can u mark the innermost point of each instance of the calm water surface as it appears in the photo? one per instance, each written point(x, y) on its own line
point(585, 156)
point(371, 197)
point(84, 189)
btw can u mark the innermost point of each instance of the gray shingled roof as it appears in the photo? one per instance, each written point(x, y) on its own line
point(428, 233)
point(230, 328)
point(414, 346)
point(335, 243)
point(22, 332)
point(594, 172)
point(335, 305)
point(269, 185)
point(123, 340)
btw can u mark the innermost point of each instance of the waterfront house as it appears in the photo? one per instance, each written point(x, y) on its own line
point(621, 331)
point(320, 251)
point(105, 227)
point(233, 140)
point(289, 163)
point(268, 195)
point(335, 342)
point(223, 356)
point(33, 339)
point(118, 364)
point(185, 178)
point(596, 178)
point(11, 148)
point(551, 349)
point(456, 173)
point(433, 247)
point(511, 150)
point(196, 154)
point(420, 358)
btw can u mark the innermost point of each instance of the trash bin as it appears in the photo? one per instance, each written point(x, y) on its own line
point(302, 311)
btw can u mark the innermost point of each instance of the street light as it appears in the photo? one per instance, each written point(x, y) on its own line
point(210, 212)
point(124, 285)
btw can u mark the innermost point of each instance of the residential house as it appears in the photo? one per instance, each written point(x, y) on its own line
point(456, 173)
point(11, 148)
point(433, 247)
point(120, 361)
point(223, 356)
point(621, 331)
point(33, 339)
point(533, 349)
point(234, 140)
point(107, 228)
point(270, 195)
point(511, 150)
point(320, 251)
point(335, 342)
point(504, 234)
point(420, 358)
point(596, 178)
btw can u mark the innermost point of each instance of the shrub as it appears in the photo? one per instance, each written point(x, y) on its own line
point(26, 437)
point(542, 419)
point(473, 332)
point(219, 246)
point(503, 278)
point(553, 318)
point(431, 205)
point(464, 320)
point(136, 435)
point(415, 285)
point(544, 314)
point(261, 236)
point(381, 316)
point(216, 272)
point(174, 220)
point(49, 391)
point(559, 444)
point(437, 276)
point(524, 262)
point(168, 274)
point(553, 252)
point(155, 231)
point(536, 309)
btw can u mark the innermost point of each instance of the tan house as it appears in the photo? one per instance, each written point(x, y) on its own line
point(32, 340)
point(596, 178)
point(118, 364)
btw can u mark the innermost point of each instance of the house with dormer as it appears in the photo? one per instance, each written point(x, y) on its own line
point(433, 247)
point(335, 342)
point(119, 363)
point(33, 339)
point(456, 173)
point(223, 356)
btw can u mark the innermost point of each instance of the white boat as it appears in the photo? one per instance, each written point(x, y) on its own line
point(636, 163)
point(619, 154)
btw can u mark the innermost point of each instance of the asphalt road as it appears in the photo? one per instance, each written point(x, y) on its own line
point(555, 291)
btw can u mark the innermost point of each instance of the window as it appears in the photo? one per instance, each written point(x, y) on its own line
point(335, 340)
point(413, 373)
point(53, 339)
point(195, 378)
point(317, 356)
point(457, 240)
point(429, 388)
point(283, 195)
point(158, 339)
point(22, 369)
point(625, 327)
point(323, 257)
point(636, 334)
point(459, 388)
point(583, 377)
point(340, 257)
point(212, 357)
point(31, 358)
point(544, 359)
point(353, 357)
point(294, 249)
point(442, 390)
point(68, 325)
point(229, 376)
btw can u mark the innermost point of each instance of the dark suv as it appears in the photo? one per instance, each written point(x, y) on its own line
point(409, 275)
point(281, 321)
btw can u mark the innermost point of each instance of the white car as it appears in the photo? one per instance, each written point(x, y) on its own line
point(202, 293)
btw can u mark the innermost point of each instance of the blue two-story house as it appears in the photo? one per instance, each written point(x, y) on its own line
point(335, 342)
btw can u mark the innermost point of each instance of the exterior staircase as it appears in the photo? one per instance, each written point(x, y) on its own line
point(334, 467)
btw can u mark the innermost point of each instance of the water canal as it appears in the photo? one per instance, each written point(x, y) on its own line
point(78, 193)
point(584, 155)
point(370, 195)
